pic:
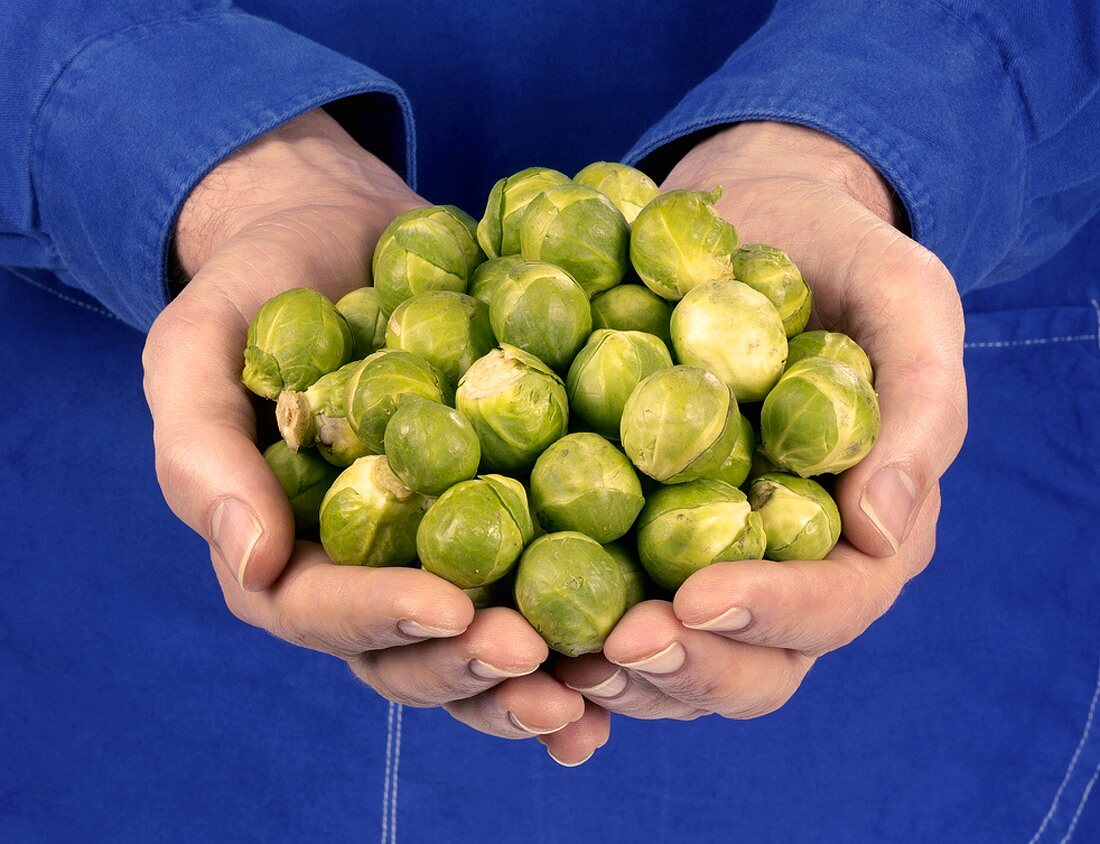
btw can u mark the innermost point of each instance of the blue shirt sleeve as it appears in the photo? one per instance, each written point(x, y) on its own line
point(983, 114)
point(111, 112)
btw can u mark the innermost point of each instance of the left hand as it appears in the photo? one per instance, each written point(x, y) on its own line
point(740, 636)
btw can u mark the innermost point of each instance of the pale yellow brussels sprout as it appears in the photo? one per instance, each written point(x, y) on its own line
point(579, 230)
point(830, 344)
point(369, 518)
point(632, 571)
point(294, 339)
point(735, 468)
point(379, 385)
point(571, 591)
point(605, 373)
point(631, 190)
point(801, 520)
point(431, 447)
point(305, 478)
point(771, 271)
point(687, 527)
point(583, 483)
point(679, 241)
point(540, 308)
point(498, 231)
point(362, 308)
point(424, 249)
point(489, 276)
point(318, 417)
point(516, 404)
point(449, 330)
point(680, 424)
point(731, 330)
point(633, 307)
point(822, 417)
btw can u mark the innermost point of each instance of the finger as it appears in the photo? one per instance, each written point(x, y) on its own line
point(810, 606)
point(519, 708)
point(576, 744)
point(620, 691)
point(701, 669)
point(498, 644)
point(347, 610)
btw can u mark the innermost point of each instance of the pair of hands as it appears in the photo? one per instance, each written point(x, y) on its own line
point(304, 205)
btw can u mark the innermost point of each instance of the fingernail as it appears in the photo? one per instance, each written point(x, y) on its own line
point(534, 730)
point(613, 686)
point(888, 502)
point(482, 669)
point(423, 631)
point(732, 620)
point(665, 661)
point(234, 531)
point(569, 764)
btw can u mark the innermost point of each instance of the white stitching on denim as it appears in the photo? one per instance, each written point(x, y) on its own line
point(386, 776)
point(1035, 341)
point(71, 300)
point(1081, 805)
point(1072, 763)
point(396, 764)
point(1096, 307)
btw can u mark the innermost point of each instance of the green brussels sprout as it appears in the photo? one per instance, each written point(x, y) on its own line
point(571, 591)
point(449, 330)
point(516, 404)
point(498, 231)
point(431, 447)
point(822, 417)
point(801, 520)
point(733, 331)
point(539, 308)
point(380, 383)
point(830, 344)
point(770, 271)
point(679, 240)
point(489, 276)
point(605, 373)
point(680, 424)
point(495, 594)
point(369, 518)
point(305, 478)
point(294, 339)
point(473, 535)
point(579, 230)
point(583, 483)
point(425, 249)
point(631, 569)
point(686, 527)
point(362, 308)
point(631, 190)
point(633, 307)
point(318, 417)
point(735, 468)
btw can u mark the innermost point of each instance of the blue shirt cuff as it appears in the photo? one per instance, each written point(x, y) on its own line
point(141, 115)
point(921, 96)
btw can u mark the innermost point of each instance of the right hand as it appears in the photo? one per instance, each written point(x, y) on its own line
point(304, 206)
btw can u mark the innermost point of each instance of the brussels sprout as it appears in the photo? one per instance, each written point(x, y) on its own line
point(821, 417)
point(425, 249)
point(495, 594)
point(631, 190)
point(475, 532)
point(680, 424)
point(489, 276)
point(539, 308)
point(733, 331)
point(679, 240)
point(633, 307)
point(431, 447)
point(380, 383)
point(305, 478)
point(631, 569)
point(579, 230)
point(362, 308)
point(771, 271)
point(605, 373)
point(735, 468)
point(294, 339)
point(830, 344)
point(449, 330)
point(761, 463)
point(516, 405)
point(369, 518)
point(318, 417)
point(686, 527)
point(583, 483)
point(571, 591)
point(498, 231)
point(801, 521)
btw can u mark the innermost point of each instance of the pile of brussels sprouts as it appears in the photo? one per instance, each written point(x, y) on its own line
point(572, 404)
